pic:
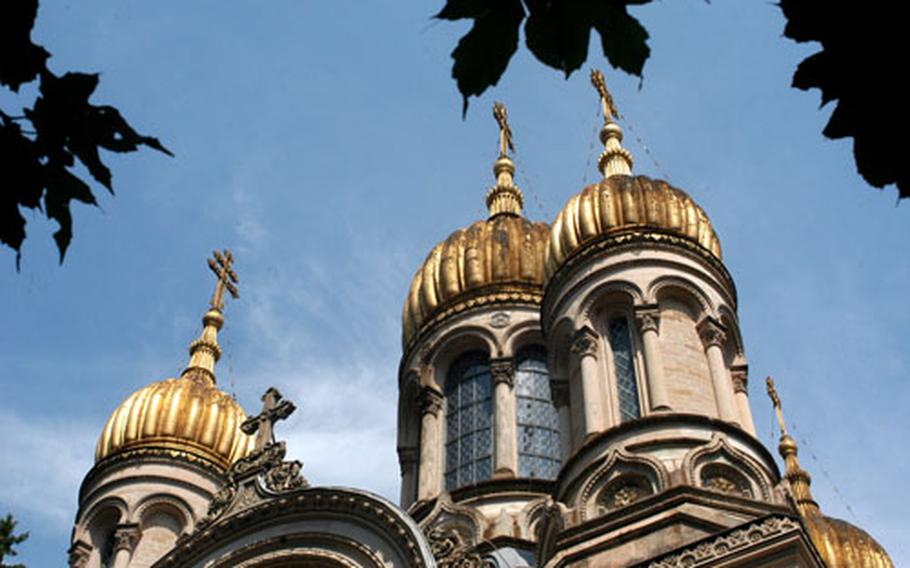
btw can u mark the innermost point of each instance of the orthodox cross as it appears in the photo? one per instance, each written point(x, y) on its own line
point(505, 133)
point(263, 424)
point(775, 399)
point(606, 99)
point(227, 278)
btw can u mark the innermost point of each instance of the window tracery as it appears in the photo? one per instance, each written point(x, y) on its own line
point(538, 419)
point(468, 420)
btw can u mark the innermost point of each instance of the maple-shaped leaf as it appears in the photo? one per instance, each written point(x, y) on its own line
point(20, 166)
point(20, 59)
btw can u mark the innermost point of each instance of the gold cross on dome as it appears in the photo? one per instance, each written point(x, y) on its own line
point(606, 99)
point(227, 278)
point(274, 408)
point(505, 133)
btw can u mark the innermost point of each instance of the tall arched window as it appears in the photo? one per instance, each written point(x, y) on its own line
point(538, 420)
point(469, 415)
point(624, 365)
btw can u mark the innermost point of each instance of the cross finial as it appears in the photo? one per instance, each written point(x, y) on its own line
point(606, 99)
point(227, 278)
point(274, 408)
point(505, 133)
point(775, 399)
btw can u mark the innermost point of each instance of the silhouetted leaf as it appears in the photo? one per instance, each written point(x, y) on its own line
point(20, 59)
point(558, 33)
point(623, 38)
point(62, 187)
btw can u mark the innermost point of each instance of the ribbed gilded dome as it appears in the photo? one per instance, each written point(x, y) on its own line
point(624, 203)
point(496, 260)
point(843, 545)
point(189, 414)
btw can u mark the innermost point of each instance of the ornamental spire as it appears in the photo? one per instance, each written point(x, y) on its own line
point(504, 197)
point(614, 160)
point(205, 351)
point(798, 478)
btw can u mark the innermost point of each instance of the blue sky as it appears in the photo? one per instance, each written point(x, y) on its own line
point(323, 142)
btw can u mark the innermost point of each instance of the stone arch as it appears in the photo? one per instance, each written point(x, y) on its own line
point(98, 526)
point(468, 523)
point(531, 515)
point(617, 468)
point(595, 299)
point(316, 550)
point(522, 335)
point(409, 435)
point(719, 453)
point(734, 349)
point(452, 345)
point(162, 519)
point(684, 289)
point(558, 340)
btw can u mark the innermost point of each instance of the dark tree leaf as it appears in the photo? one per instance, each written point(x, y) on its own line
point(558, 33)
point(461, 9)
point(482, 55)
point(62, 187)
point(20, 166)
point(20, 59)
point(623, 38)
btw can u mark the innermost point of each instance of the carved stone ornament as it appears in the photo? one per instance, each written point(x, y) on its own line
point(711, 552)
point(623, 494)
point(126, 537)
point(430, 401)
point(712, 333)
point(740, 377)
point(503, 372)
point(500, 320)
point(584, 343)
point(648, 318)
point(718, 480)
point(451, 552)
point(79, 554)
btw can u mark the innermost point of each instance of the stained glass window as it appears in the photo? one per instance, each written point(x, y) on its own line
point(469, 414)
point(624, 364)
point(538, 420)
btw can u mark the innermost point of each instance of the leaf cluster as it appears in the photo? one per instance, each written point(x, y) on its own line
point(40, 148)
point(860, 67)
point(557, 32)
point(8, 540)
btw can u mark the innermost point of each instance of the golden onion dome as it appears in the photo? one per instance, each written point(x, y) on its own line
point(497, 260)
point(625, 204)
point(843, 545)
point(189, 415)
point(493, 261)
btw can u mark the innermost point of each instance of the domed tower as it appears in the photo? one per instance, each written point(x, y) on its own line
point(161, 456)
point(639, 315)
point(478, 436)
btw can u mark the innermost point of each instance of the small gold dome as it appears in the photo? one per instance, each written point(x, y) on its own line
point(843, 545)
point(189, 415)
point(622, 203)
point(496, 260)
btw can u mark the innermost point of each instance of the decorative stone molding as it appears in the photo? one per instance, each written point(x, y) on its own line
point(449, 516)
point(126, 537)
point(724, 479)
point(611, 474)
point(719, 453)
point(711, 552)
point(430, 401)
point(500, 320)
point(648, 318)
point(623, 492)
point(79, 554)
point(451, 552)
point(712, 333)
point(503, 371)
point(559, 392)
point(584, 343)
point(739, 374)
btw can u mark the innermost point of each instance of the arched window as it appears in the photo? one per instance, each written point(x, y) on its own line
point(469, 415)
point(624, 365)
point(538, 420)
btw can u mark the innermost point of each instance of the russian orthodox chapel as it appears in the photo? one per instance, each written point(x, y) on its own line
point(570, 394)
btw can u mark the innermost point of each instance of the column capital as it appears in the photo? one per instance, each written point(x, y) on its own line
point(712, 332)
point(739, 374)
point(584, 343)
point(503, 371)
point(648, 317)
point(430, 401)
point(559, 393)
point(79, 554)
point(126, 537)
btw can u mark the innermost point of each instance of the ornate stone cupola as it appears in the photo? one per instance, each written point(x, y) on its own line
point(162, 455)
point(477, 431)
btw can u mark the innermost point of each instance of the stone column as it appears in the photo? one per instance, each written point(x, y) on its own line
point(649, 323)
point(505, 452)
point(559, 393)
point(407, 460)
point(713, 335)
point(430, 467)
point(584, 347)
point(740, 376)
point(126, 537)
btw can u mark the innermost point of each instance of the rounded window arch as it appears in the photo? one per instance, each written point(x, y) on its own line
point(469, 412)
point(538, 419)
